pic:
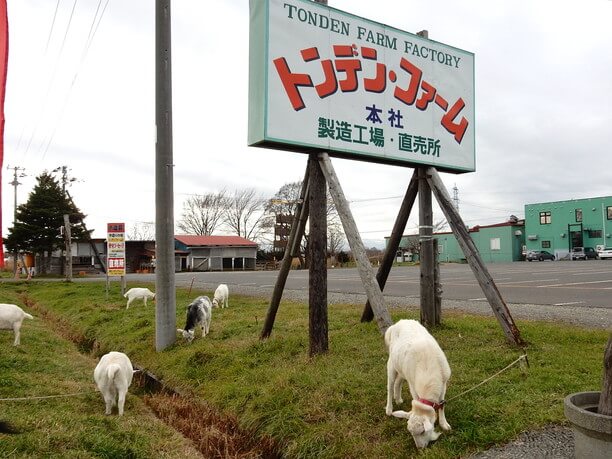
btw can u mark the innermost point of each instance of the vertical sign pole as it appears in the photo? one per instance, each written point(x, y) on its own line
point(426, 255)
point(429, 316)
point(317, 248)
point(165, 309)
point(437, 310)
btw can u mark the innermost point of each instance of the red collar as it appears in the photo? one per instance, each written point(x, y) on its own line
point(434, 405)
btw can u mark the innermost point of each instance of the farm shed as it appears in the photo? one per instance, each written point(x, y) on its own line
point(214, 253)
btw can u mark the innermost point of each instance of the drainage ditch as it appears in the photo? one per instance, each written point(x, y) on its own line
point(213, 433)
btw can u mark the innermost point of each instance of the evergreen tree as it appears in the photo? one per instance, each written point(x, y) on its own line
point(37, 224)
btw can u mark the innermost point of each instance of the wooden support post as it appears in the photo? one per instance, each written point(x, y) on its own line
point(487, 284)
point(437, 284)
point(429, 318)
point(375, 296)
point(317, 269)
point(394, 241)
point(295, 236)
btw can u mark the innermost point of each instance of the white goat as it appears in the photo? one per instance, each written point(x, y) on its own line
point(199, 314)
point(113, 376)
point(221, 296)
point(416, 357)
point(136, 293)
point(11, 317)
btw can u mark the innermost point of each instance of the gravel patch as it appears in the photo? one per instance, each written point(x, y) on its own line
point(552, 442)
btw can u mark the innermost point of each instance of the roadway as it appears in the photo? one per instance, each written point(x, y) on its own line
point(559, 283)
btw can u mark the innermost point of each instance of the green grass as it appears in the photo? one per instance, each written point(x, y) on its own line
point(75, 427)
point(328, 406)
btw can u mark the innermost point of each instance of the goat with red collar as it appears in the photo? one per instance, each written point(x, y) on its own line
point(416, 357)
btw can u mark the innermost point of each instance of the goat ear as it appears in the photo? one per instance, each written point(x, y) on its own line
point(427, 425)
point(180, 330)
point(402, 414)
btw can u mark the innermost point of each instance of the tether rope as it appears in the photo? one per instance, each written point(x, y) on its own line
point(41, 397)
point(522, 357)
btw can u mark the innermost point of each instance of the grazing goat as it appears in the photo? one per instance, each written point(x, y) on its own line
point(221, 297)
point(11, 317)
point(113, 376)
point(199, 313)
point(136, 293)
point(416, 357)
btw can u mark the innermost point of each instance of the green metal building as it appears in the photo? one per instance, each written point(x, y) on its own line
point(502, 242)
point(562, 225)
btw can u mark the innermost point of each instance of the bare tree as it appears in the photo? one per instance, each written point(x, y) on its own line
point(284, 200)
point(142, 231)
point(203, 214)
point(244, 213)
point(335, 237)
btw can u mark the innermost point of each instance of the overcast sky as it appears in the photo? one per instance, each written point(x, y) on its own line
point(543, 106)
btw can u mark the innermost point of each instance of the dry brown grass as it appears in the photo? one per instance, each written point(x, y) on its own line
point(213, 434)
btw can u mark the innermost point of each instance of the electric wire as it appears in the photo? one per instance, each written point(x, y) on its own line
point(90, 37)
point(52, 26)
point(23, 128)
point(52, 80)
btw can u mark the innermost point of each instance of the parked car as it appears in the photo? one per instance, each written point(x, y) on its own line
point(583, 253)
point(539, 255)
point(605, 253)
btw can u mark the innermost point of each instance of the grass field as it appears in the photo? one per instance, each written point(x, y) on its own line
point(328, 406)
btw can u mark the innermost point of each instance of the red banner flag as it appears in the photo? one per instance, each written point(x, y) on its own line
point(4, 37)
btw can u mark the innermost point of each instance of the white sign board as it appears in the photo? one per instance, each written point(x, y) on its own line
point(115, 249)
point(323, 80)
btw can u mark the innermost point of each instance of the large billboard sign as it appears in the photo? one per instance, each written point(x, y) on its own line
point(321, 79)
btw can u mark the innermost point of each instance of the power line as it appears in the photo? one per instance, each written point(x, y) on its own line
point(92, 33)
point(52, 80)
point(52, 26)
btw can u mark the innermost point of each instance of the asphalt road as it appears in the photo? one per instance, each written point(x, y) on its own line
point(580, 284)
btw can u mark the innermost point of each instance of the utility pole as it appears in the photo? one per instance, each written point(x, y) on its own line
point(456, 197)
point(64, 179)
point(16, 183)
point(165, 307)
point(68, 237)
point(67, 230)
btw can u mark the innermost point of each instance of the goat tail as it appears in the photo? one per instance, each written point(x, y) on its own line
point(27, 316)
point(112, 371)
